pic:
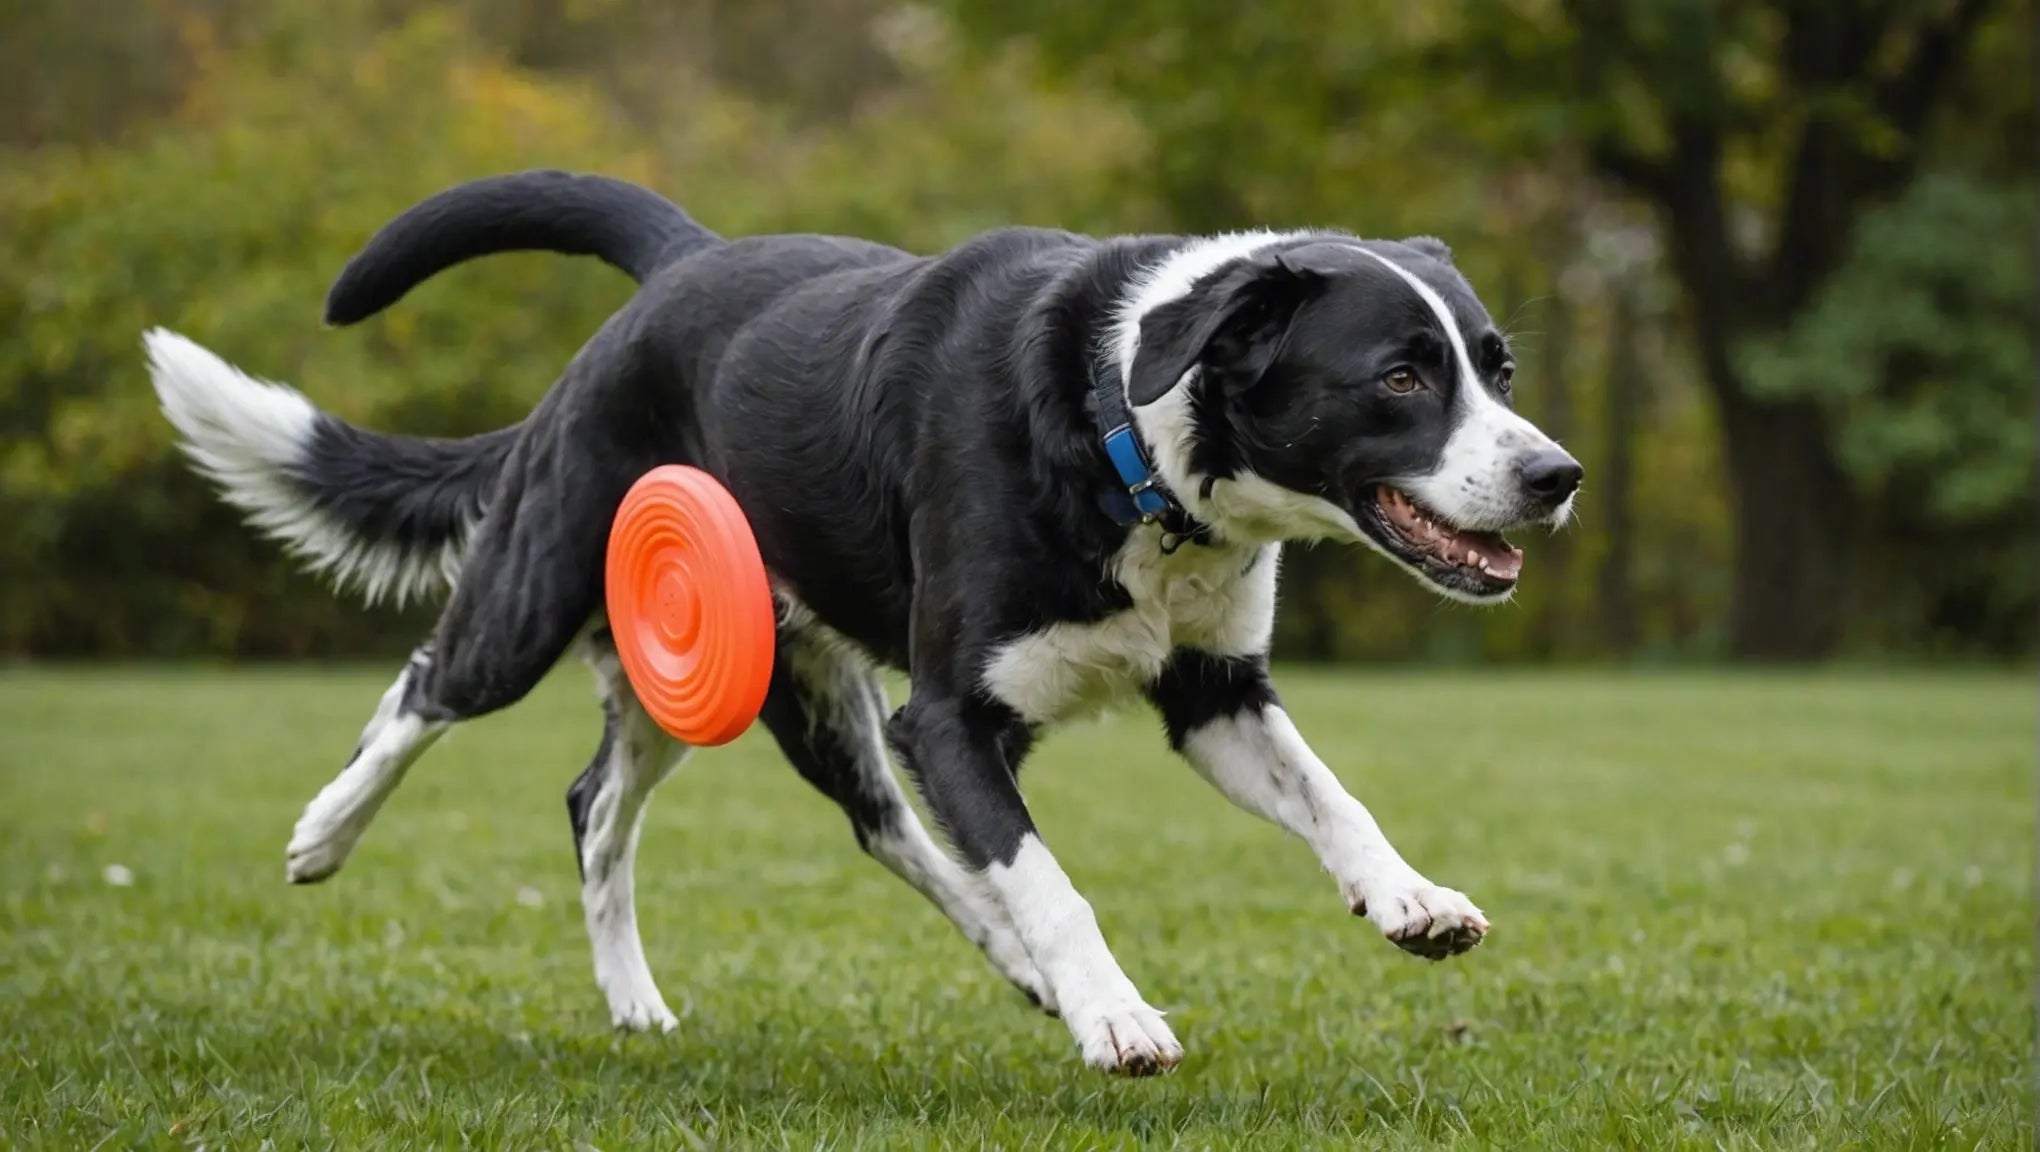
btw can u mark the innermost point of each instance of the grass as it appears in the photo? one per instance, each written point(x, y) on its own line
point(1731, 912)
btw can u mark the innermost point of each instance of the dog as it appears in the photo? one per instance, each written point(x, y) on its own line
point(1039, 473)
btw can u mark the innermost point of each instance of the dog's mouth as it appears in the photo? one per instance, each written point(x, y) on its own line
point(1479, 564)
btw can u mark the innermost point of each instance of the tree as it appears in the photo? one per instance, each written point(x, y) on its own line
point(210, 202)
point(1833, 116)
point(1920, 314)
point(1760, 132)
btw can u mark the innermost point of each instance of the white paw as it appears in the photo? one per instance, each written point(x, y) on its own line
point(634, 1001)
point(317, 849)
point(1423, 919)
point(1128, 1038)
point(637, 1006)
point(632, 1014)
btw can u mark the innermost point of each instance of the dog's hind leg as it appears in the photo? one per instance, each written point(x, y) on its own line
point(530, 577)
point(531, 580)
point(606, 806)
point(396, 736)
point(827, 709)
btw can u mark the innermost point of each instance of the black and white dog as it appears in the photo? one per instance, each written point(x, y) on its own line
point(1039, 473)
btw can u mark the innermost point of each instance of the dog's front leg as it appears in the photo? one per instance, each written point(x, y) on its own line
point(1223, 716)
point(963, 754)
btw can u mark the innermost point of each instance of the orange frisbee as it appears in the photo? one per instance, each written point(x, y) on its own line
point(689, 605)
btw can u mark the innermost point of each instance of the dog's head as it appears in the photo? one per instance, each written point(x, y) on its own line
point(1328, 387)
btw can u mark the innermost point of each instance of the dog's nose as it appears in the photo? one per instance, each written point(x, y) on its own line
point(1551, 475)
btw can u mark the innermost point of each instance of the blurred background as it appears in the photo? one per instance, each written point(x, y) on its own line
point(1769, 267)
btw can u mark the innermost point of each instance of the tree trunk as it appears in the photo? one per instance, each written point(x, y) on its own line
point(1794, 511)
point(1615, 580)
point(1308, 623)
point(1552, 632)
point(1795, 533)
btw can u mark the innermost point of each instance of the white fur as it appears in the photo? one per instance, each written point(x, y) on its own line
point(1254, 507)
point(910, 853)
point(1167, 425)
point(1261, 763)
point(1114, 1028)
point(246, 435)
point(336, 818)
point(1474, 483)
point(836, 676)
point(1174, 277)
point(1563, 514)
point(641, 756)
point(1220, 599)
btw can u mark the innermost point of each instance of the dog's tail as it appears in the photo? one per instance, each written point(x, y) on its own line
point(389, 515)
point(631, 228)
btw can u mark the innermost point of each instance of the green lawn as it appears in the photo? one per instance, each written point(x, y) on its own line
point(1730, 912)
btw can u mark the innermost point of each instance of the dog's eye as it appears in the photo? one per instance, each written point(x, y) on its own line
point(1508, 378)
point(1401, 381)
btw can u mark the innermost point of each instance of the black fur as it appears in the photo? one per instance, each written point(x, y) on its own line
point(537, 556)
point(1237, 327)
point(1283, 424)
point(632, 228)
point(964, 754)
point(1197, 688)
point(828, 727)
point(581, 794)
point(411, 492)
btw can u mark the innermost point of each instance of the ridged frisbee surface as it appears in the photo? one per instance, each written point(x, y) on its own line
point(689, 605)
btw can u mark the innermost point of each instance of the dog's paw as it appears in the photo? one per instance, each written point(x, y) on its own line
point(635, 1004)
point(642, 1016)
point(315, 852)
point(1127, 1038)
point(326, 833)
point(1423, 919)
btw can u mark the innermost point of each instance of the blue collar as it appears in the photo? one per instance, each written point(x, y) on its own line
point(1142, 498)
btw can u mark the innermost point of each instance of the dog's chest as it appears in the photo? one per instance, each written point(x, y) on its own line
point(1219, 600)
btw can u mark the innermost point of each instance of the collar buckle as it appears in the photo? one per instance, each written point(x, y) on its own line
point(1147, 499)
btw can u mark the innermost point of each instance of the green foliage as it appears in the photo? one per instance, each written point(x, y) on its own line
point(226, 216)
point(251, 147)
point(225, 221)
point(1922, 348)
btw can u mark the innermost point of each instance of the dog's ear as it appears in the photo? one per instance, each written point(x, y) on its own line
point(1234, 326)
point(1430, 246)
